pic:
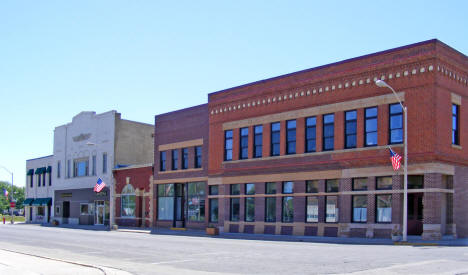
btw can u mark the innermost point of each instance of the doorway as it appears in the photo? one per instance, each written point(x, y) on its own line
point(415, 213)
point(100, 212)
point(66, 212)
point(179, 205)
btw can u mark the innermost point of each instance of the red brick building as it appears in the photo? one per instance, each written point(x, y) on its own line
point(307, 153)
point(181, 168)
point(134, 196)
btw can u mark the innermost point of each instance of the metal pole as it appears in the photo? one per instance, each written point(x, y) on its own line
point(111, 203)
point(12, 220)
point(405, 194)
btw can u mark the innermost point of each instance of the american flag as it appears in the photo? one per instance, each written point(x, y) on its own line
point(99, 185)
point(5, 192)
point(395, 158)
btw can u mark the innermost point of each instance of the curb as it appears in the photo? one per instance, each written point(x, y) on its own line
point(415, 244)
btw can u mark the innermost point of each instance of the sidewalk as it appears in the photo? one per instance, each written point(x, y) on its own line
point(412, 240)
point(25, 264)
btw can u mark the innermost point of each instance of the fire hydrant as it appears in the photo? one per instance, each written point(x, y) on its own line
point(3, 219)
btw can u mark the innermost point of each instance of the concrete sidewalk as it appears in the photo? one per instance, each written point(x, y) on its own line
point(412, 240)
point(25, 264)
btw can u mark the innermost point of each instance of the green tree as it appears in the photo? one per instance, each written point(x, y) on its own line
point(18, 195)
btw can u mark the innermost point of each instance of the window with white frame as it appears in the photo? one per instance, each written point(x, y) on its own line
point(128, 201)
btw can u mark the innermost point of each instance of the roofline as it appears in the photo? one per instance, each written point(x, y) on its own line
point(134, 166)
point(435, 41)
point(40, 157)
point(182, 110)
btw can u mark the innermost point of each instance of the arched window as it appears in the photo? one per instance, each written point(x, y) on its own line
point(128, 201)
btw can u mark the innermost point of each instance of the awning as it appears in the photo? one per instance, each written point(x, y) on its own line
point(28, 201)
point(37, 202)
point(42, 201)
point(38, 171)
point(47, 201)
point(30, 172)
point(49, 169)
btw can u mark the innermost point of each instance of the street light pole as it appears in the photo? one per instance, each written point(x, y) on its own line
point(11, 208)
point(382, 83)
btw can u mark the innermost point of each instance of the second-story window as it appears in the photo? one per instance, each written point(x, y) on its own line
point(396, 123)
point(198, 157)
point(162, 161)
point(58, 169)
point(68, 168)
point(49, 171)
point(175, 159)
point(184, 158)
point(311, 125)
point(455, 124)
point(94, 165)
point(350, 129)
point(291, 137)
point(244, 143)
point(370, 127)
point(275, 139)
point(104, 163)
point(228, 145)
point(328, 132)
point(258, 136)
point(81, 167)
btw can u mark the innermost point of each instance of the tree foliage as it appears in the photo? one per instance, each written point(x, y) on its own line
point(18, 195)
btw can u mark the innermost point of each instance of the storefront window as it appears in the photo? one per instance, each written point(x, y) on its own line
point(196, 201)
point(249, 209)
point(312, 209)
point(166, 201)
point(360, 208)
point(213, 210)
point(384, 208)
point(270, 209)
point(331, 209)
point(235, 209)
point(288, 209)
point(128, 201)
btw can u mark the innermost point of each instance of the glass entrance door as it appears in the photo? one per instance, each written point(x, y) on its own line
point(100, 211)
point(179, 205)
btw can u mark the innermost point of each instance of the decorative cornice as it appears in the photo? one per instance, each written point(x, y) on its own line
point(340, 85)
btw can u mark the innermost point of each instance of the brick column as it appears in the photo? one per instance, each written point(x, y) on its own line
point(266, 139)
point(319, 135)
point(382, 125)
point(433, 204)
point(250, 142)
point(360, 127)
point(339, 131)
point(235, 144)
point(300, 135)
point(282, 138)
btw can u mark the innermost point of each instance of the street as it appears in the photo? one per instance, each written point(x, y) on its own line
point(138, 253)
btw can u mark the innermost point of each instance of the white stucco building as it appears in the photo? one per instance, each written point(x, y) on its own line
point(86, 149)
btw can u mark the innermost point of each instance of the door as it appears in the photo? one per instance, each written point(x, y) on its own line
point(66, 212)
point(100, 211)
point(415, 214)
point(30, 213)
point(179, 205)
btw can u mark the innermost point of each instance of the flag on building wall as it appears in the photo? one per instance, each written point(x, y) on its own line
point(99, 185)
point(395, 158)
point(5, 192)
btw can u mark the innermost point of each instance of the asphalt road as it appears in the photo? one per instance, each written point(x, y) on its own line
point(165, 254)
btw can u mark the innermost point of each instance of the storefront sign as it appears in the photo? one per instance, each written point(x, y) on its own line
point(101, 194)
point(66, 195)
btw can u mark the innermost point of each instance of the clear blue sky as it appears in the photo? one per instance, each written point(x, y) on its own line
point(142, 58)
